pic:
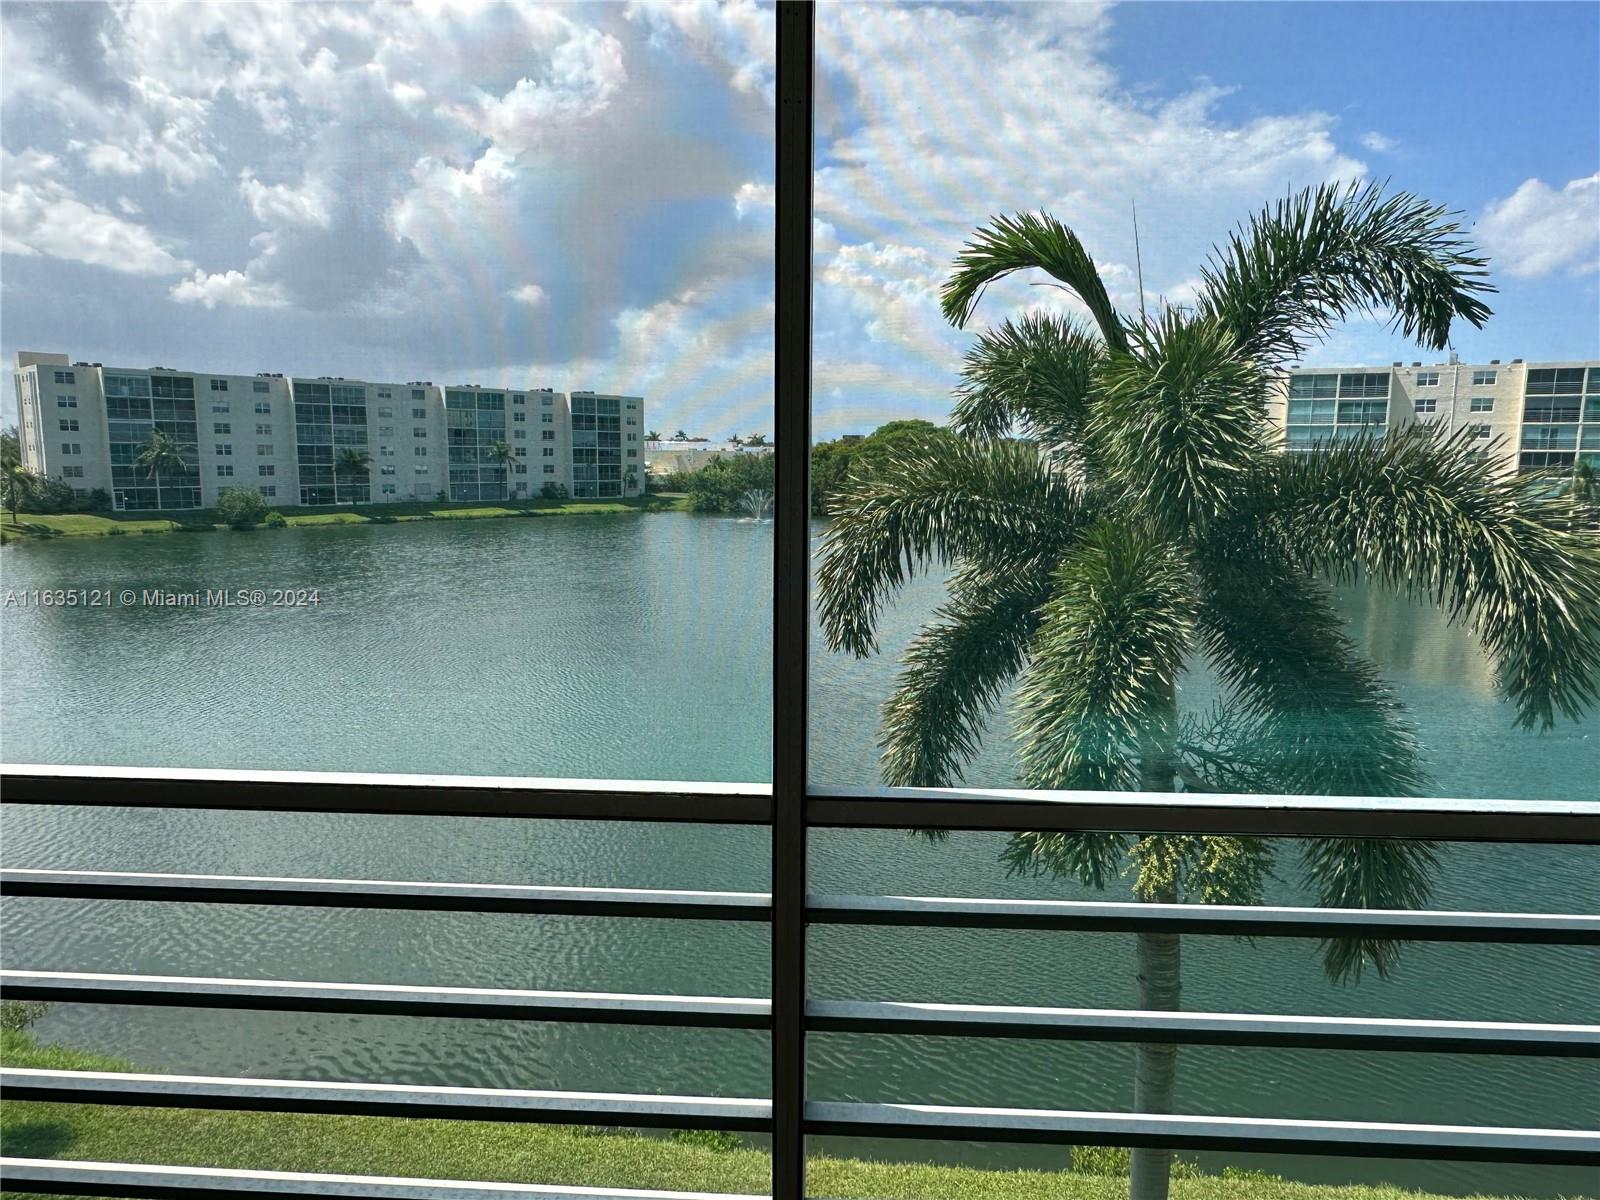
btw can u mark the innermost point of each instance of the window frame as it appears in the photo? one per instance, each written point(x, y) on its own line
point(791, 806)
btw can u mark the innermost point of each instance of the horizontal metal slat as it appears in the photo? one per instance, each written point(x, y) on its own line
point(415, 795)
point(930, 911)
point(1230, 920)
point(1195, 1028)
point(619, 1008)
point(1005, 810)
point(59, 1176)
point(386, 1099)
point(1364, 1139)
point(386, 894)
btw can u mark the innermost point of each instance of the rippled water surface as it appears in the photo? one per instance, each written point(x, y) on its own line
point(637, 648)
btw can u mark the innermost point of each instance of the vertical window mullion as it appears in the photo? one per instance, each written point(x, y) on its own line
point(791, 600)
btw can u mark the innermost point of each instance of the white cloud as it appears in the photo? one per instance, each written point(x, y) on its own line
point(752, 197)
point(40, 216)
point(231, 288)
point(1378, 143)
point(739, 33)
point(1538, 231)
point(530, 294)
point(280, 204)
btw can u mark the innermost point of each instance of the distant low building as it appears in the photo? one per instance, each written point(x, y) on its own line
point(1531, 416)
point(678, 454)
point(86, 424)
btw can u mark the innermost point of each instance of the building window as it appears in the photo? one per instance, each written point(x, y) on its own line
point(633, 454)
point(66, 377)
point(224, 469)
point(260, 385)
point(1426, 406)
point(417, 394)
point(268, 489)
point(1555, 381)
point(69, 424)
point(519, 434)
point(549, 452)
point(221, 427)
point(220, 408)
point(516, 398)
point(225, 449)
point(549, 469)
point(633, 437)
point(1482, 404)
point(263, 408)
point(545, 400)
point(522, 452)
point(419, 414)
point(548, 435)
point(1484, 378)
point(263, 449)
point(385, 451)
point(70, 448)
point(72, 472)
point(388, 489)
point(522, 468)
point(266, 470)
point(519, 416)
point(1427, 379)
point(385, 394)
point(547, 418)
point(420, 469)
point(420, 431)
point(263, 430)
point(66, 402)
point(1478, 431)
point(420, 452)
point(385, 411)
point(219, 385)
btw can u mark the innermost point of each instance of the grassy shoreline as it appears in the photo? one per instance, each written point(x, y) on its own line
point(534, 1153)
point(35, 527)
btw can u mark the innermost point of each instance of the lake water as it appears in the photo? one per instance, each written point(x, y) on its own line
point(638, 647)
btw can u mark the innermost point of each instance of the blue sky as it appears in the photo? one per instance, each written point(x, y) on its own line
point(581, 196)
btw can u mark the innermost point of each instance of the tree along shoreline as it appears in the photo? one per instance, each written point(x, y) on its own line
point(552, 1154)
point(36, 527)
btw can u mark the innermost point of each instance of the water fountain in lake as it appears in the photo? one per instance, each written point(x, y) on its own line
point(756, 503)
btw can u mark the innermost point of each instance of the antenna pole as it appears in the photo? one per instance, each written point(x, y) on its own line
point(1138, 262)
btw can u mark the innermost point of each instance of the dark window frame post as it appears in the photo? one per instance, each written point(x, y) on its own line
point(791, 583)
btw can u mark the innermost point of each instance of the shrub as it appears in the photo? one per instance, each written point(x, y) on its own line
point(98, 500)
point(242, 508)
point(554, 491)
point(275, 520)
point(17, 1015)
point(44, 495)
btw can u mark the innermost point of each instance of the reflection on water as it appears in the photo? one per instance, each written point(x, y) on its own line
point(640, 648)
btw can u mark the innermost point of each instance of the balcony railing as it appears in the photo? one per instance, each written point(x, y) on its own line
point(789, 810)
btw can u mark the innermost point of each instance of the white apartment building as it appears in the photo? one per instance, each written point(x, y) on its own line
point(86, 424)
point(1531, 416)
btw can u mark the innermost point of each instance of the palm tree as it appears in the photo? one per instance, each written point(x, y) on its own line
point(1144, 519)
point(1585, 482)
point(630, 477)
point(680, 436)
point(354, 465)
point(17, 483)
point(501, 454)
point(652, 435)
point(735, 440)
point(161, 456)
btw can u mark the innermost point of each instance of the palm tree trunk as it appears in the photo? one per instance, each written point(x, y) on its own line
point(1155, 1070)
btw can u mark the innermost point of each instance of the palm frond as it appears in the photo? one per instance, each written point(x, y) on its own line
point(1021, 242)
point(1178, 422)
point(940, 501)
point(1423, 512)
point(1328, 252)
point(1094, 859)
point(1109, 646)
point(1368, 873)
point(1307, 713)
point(1032, 376)
point(954, 672)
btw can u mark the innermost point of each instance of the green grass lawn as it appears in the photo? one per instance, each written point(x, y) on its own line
point(30, 526)
point(529, 1153)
